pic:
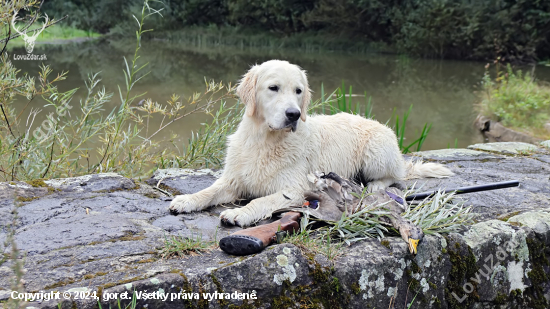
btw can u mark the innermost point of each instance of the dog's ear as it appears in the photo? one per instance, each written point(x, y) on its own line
point(306, 97)
point(246, 90)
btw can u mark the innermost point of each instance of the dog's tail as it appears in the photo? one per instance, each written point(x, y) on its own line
point(422, 170)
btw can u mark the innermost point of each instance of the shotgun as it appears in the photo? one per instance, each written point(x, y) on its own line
point(469, 189)
point(255, 239)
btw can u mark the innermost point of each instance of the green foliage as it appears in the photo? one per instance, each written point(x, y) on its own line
point(343, 103)
point(516, 30)
point(441, 214)
point(99, 16)
point(86, 141)
point(365, 223)
point(517, 100)
point(56, 32)
point(285, 16)
point(206, 148)
point(180, 246)
point(244, 39)
point(199, 12)
point(400, 132)
point(310, 242)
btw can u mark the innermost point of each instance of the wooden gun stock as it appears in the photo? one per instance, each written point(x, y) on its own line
point(255, 239)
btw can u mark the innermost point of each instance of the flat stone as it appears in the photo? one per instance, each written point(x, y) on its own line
point(542, 157)
point(68, 232)
point(498, 243)
point(538, 221)
point(505, 147)
point(103, 233)
point(183, 181)
point(93, 183)
point(5, 295)
point(532, 194)
point(170, 223)
point(459, 154)
point(495, 233)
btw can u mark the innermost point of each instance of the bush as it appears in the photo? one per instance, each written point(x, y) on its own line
point(282, 16)
point(515, 30)
point(512, 30)
point(198, 12)
point(517, 100)
point(99, 16)
point(88, 141)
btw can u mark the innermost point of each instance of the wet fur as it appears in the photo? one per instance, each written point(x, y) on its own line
point(268, 162)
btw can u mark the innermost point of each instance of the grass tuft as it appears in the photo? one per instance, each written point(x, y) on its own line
point(340, 101)
point(180, 246)
point(54, 33)
point(310, 242)
point(443, 213)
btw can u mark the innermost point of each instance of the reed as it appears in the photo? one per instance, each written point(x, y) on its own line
point(82, 138)
point(340, 101)
point(441, 214)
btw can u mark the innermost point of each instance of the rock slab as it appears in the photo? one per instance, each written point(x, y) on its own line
point(103, 234)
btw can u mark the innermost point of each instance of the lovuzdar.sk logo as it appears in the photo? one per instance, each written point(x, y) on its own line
point(29, 39)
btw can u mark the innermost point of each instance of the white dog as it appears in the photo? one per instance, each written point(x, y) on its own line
point(277, 145)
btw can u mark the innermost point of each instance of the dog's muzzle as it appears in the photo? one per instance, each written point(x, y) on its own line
point(292, 116)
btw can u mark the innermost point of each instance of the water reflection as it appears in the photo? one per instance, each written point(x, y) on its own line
point(442, 92)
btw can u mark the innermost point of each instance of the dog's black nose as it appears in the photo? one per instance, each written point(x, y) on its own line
point(292, 114)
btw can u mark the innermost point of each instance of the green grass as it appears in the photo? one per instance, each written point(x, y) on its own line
point(441, 214)
point(400, 132)
point(180, 246)
point(517, 100)
point(309, 242)
point(343, 102)
point(88, 141)
point(54, 33)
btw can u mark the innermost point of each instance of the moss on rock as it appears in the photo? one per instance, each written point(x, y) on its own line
point(533, 296)
point(37, 183)
point(463, 267)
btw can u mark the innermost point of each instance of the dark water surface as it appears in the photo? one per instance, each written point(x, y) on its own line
point(442, 92)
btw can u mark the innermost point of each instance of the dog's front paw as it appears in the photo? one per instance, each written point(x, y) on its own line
point(236, 217)
point(376, 185)
point(183, 204)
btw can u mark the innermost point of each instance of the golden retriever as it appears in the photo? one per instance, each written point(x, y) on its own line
point(277, 145)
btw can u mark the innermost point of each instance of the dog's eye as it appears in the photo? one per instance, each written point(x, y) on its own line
point(298, 90)
point(274, 88)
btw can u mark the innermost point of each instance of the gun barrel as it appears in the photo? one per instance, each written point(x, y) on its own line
point(469, 189)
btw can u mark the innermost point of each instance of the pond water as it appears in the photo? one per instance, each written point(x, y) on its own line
point(442, 92)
